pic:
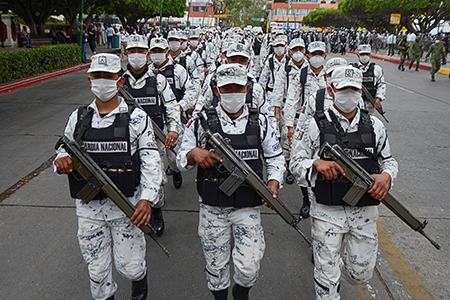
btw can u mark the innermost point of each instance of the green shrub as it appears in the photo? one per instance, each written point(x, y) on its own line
point(58, 25)
point(26, 63)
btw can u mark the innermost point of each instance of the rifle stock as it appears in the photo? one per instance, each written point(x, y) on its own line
point(355, 173)
point(234, 164)
point(97, 181)
point(372, 101)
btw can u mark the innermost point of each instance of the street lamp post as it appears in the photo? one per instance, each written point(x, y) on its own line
point(160, 16)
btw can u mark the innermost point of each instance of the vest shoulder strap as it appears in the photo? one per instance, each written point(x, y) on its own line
point(320, 99)
point(303, 77)
point(85, 114)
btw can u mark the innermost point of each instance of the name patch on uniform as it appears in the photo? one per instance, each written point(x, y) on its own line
point(247, 154)
point(367, 79)
point(105, 147)
point(146, 100)
point(356, 154)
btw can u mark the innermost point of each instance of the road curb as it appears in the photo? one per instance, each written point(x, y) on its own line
point(28, 81)
point(397, 61)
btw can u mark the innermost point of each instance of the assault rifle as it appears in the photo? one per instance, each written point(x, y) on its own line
point(85, 168)
point(362, 182)
point(240, 172)
point(372, 101)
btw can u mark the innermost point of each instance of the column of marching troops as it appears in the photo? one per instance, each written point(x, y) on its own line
point(277, 98)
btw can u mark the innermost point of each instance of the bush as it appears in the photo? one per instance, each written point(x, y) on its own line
point(58, 25)
point(26, 63)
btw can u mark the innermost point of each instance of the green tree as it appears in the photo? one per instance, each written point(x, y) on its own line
point(240, 10)
point(324, 17)
point(417, 15)
point(34, 12)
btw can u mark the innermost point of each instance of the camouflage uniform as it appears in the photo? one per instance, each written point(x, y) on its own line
point(335, 227)
point(436, 51)
point(416, 53)
point(218, 224)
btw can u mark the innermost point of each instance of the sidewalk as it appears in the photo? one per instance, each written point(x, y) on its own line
point(445, 69)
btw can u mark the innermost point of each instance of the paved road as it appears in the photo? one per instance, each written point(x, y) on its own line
point(40, 255)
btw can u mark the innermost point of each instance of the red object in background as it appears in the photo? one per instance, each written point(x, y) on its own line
point(5, 32)
point(13, 31)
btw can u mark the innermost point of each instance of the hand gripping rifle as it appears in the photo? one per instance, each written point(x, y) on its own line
point(362, 182)
point(159, 134)
point(240, 172)
point(372, 101)
point(84, 167)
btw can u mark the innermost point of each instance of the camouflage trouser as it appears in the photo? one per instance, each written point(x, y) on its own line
point(216, 227)
point(435, 66)
point(284, 141)
point(356, 234)
point(415, 59)
point(403, 57)
point(99, 240)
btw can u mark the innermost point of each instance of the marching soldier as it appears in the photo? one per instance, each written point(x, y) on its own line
point(286, 71)
point(222, 217)
point(416, 53)
point(334, 224)
point(373, 77)
point(156, 97)
point(436, 51)
point(110, 121)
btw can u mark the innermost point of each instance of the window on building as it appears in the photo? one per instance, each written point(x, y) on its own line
point(200, 8)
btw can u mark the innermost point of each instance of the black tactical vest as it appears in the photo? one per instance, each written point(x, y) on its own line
point(248, 146)
point(110, 149)
point(148, 98)
point(360, 145)
point(369, 79)
point(257, 48)
point(170, 77)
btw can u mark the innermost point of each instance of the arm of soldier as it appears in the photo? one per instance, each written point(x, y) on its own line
point(304, 152)
point(260, 100)
point(388, 165)
point(191, 90)
point(63, 163)
point(273, 156)
point(279, 92)
point(172, 111)
point(292, 98)
point(151, 174)
point(264, 76)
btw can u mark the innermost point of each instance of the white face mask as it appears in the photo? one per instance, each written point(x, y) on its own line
point(298, 56)
point(364, 59)
point(232, 102)
point(104, 89)
point(183, 45)
point(137, 60)
point(279, 50)
point(174, 45)
point(317, 61)
point(193, 43)
point(158, 58)
point(346, 100)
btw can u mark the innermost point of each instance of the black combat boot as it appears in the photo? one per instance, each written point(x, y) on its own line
point(110, 298)
point(240, 292)
point(177, 179)
point(220, 295)
point(139, 289)
point(157, 220)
